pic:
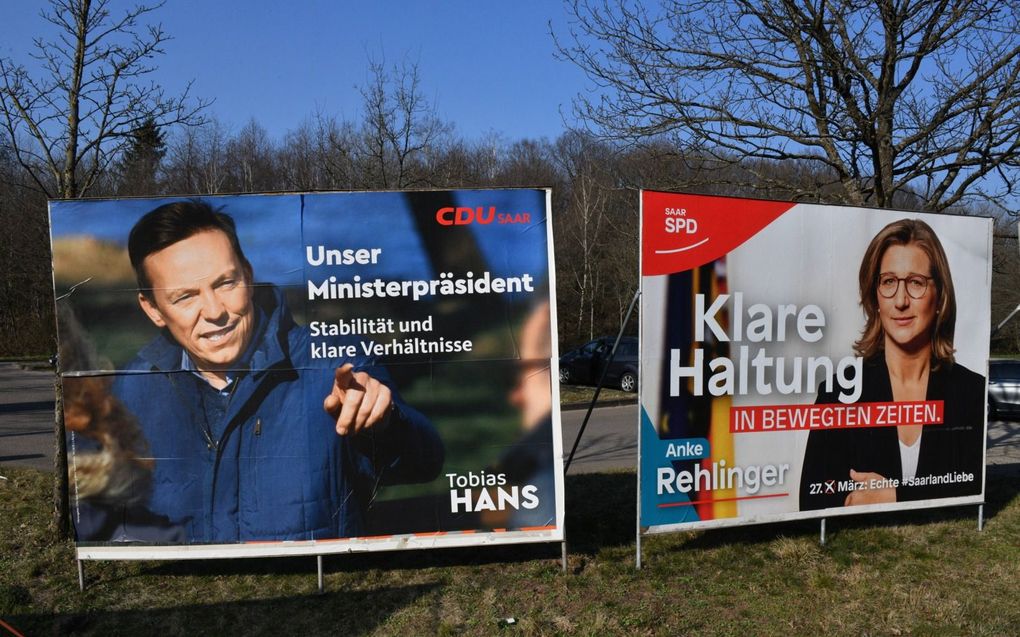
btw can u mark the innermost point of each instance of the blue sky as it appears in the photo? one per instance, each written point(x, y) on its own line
point(488, 66)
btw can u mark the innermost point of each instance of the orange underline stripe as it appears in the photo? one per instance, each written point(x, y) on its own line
point(10, 629)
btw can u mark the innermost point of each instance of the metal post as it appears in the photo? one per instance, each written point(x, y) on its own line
point(1005, 320)
point(602, 379)
point(821, 538)
point(318, 560)
point(563, 557)
point(637, 561)
point(981, 517)
point(81, 575)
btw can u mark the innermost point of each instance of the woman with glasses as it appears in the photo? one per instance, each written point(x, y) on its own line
point(907, 348)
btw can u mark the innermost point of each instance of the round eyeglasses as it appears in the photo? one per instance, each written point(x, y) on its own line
point(916, 285)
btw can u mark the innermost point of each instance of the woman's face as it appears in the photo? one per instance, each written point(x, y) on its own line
point(907, 321)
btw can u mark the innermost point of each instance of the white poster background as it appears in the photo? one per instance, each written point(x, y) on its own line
point(812, 254)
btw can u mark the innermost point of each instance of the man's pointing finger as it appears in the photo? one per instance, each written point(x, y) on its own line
point(344, 376)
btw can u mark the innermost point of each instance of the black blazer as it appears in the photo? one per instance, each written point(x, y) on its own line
point(957, 445)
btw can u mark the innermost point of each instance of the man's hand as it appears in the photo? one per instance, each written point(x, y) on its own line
point(869, 494)
point(357, 401)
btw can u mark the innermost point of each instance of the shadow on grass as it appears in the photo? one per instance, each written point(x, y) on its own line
point(600, 511)
point(338, 613)
point(358, 562)
point(601, 514)
point(1002, 487)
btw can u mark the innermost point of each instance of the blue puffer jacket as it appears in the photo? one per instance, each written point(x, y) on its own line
point(278, 471)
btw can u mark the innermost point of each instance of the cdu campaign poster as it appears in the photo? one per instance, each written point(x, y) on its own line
point(280, 374)
point(803, 360)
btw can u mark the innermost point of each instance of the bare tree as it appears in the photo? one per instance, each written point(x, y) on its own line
point(67, 125)
point(26, 286)
point(250, 158)
point(69, 122)
point(335, 142)
point(585, 225)
point(198, 161)
point(298, 159)
point(889, 99)
point(1005, 295)
point(401, 131)
point(531, 162)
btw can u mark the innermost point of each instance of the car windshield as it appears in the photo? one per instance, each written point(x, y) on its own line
point(1005, 369)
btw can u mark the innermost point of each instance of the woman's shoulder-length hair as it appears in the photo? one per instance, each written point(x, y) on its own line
point(908, 232)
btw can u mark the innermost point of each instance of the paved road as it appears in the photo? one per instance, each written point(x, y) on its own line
point(609, 442)
point(26, 417)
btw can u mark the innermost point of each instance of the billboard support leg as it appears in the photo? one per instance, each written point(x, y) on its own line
point(821, 537)
point(81, 575)
point(563, 555)
point(318, 560)
point(981, 517)
point(637, 559)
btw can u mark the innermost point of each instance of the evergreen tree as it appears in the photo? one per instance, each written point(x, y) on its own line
point(138, 167)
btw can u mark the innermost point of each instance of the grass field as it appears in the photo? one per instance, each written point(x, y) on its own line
point(918, 573)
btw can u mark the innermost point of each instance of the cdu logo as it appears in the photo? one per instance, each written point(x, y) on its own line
point(463, 216)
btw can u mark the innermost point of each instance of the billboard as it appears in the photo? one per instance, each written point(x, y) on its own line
point(803, 360)
point(286, 374)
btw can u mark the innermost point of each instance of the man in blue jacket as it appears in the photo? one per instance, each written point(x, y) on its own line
point(253, 439)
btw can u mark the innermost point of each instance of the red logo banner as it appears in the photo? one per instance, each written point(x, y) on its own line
point(680, 231)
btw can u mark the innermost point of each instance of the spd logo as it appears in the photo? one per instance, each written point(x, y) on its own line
point(682, 231)
point(463, 216)
point(679, 223)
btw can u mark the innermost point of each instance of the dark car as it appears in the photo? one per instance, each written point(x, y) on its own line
point(1004, 388)
point(584, 365)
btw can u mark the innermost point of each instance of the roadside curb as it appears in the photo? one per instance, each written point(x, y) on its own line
point(616, 402)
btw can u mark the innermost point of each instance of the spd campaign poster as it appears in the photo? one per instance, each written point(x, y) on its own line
point(804, 360)
point(280, 374)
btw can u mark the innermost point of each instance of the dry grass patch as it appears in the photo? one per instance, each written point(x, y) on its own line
point(913, 574)
point(82, 257)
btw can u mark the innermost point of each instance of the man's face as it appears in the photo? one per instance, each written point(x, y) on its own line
point(202, 295)
point(532, 392)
